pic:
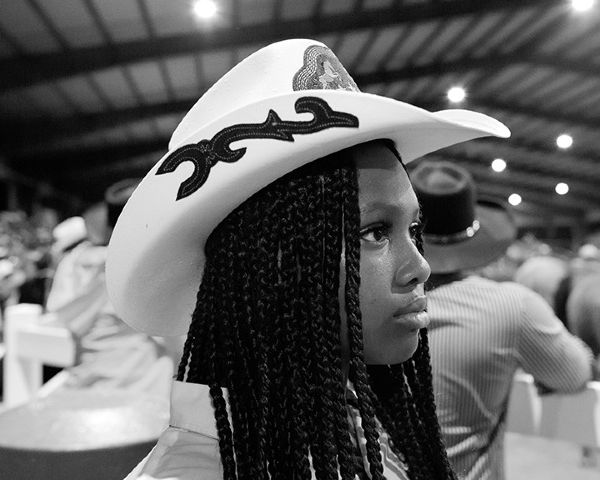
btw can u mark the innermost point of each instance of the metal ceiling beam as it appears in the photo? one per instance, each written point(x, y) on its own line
point(533, 156)
point(54, 165)
point(14, 134)
point(542, 204)
point(27, 70)
point(575, 120)
point(495, 61)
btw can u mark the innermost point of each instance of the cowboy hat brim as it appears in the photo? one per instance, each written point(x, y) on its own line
point(156, 252)
point(496, 232)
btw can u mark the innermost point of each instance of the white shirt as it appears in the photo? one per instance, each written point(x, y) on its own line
point(189, 448)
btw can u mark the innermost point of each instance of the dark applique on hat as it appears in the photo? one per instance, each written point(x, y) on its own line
point(322, 71)
point(206, 153)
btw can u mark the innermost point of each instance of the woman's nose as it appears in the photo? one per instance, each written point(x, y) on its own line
point(412, 271)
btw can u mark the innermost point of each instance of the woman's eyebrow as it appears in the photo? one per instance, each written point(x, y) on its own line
point(390, 207)
point(378, 205)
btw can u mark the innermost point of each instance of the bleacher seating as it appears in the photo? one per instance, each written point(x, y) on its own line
point(32, 340)
point(58, 436)
point(571, 418)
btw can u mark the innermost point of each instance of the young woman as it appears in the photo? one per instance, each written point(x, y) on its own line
point(296, 217)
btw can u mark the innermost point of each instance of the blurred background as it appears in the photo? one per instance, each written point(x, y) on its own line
point(90, 91)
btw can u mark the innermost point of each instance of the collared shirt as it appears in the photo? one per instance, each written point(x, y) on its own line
point(480, 333)
point(189, 448)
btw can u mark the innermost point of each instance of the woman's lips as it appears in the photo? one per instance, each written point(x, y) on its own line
point(414, 315)
point(413, 320)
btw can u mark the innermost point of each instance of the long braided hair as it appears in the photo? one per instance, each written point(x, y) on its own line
point(266, 327)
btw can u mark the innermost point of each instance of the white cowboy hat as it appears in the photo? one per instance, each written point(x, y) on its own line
point(460, 231)
point(288, 104)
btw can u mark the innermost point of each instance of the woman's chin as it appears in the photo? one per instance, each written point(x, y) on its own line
point(392, 354)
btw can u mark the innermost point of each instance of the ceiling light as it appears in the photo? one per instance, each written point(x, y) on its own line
point(564, 141)
point(498, 165)
point(582, 5)
point(514, 199)
point(205, 8)
point(561, 188)
point(456, 94)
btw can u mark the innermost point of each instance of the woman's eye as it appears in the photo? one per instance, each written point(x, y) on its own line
point(416, 233)
point(375, 234)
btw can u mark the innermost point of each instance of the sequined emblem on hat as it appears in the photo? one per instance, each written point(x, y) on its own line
point(322, 71)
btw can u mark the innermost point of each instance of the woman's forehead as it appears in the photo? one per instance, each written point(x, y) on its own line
point(383, 182)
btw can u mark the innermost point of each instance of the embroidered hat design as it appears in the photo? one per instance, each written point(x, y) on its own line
point(322, 70)
point(207, 153)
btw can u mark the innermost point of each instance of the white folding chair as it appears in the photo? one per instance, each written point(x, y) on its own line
point(32, 340)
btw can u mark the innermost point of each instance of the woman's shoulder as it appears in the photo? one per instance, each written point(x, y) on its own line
point(181, 455)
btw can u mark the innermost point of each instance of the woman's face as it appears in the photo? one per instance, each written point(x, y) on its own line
point(392, 271)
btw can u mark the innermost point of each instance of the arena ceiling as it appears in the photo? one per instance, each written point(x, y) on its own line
point(91, 90)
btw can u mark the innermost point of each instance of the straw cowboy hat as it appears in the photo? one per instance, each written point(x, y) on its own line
point(288, 104)
point(460, 233)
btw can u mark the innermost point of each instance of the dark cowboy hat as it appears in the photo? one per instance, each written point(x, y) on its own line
point(460, 232)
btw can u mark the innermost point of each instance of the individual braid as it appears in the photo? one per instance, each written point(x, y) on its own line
point(226, 445)
point(425, 401)
point(287, 340)
point(222, 361)
point(238, 356)
point(308, 434)
point(395, 410)
point(264, 296)
point(310, 259)
point(333, 233)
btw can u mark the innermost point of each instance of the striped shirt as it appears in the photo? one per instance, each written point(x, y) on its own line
point(480, 332)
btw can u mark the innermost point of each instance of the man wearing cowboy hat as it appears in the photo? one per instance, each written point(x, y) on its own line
point(481, 331)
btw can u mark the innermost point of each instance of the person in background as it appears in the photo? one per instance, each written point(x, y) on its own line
point(23, 259)
point(66, 236)
point(109, 354)
point(583, 312)
point(281, 232)
point(548, 276)
point(482, 331)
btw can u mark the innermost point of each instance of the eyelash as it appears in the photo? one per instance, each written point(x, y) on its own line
point(415, 230)
point(384, 228)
